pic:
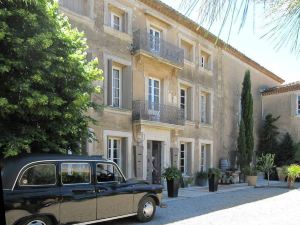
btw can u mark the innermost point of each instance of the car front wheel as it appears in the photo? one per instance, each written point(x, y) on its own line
point(146, 209)
point(37, 221)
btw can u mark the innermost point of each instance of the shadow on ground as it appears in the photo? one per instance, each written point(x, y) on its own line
point(192, 207)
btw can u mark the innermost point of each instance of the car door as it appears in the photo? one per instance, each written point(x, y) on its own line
point(78, 196)
point(114, 195)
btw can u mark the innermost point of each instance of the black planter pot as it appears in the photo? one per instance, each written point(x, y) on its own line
point(201, 182)
point(173, 186)
point(213, 182)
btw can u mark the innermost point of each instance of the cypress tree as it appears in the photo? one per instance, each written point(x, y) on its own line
point(247, 115)
point(242, 152)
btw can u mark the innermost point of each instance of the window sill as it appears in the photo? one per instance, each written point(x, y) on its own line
point(188, 62)
point(111, 109)
point(119, 34)
point(206, 125)
point(206, 71)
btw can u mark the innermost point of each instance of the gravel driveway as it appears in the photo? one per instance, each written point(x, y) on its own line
point(253, 206)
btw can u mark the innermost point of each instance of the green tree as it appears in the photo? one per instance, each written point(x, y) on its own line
point(266, 164)
point(242, 152)
point(46, 81)
point(268, 141)
point(286, 151)
point(247, 115)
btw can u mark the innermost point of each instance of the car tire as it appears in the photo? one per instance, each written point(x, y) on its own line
point(38, 220)
point(146, 210)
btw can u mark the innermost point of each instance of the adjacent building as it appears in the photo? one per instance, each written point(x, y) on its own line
point(284, 101)
point(171, 95)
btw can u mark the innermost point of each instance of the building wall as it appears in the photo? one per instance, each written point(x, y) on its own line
point(284, 105)
point(222, 83)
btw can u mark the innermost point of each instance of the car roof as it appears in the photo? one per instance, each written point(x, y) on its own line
point(13, 165)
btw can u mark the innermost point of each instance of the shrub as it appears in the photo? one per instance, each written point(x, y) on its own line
point(293, 173)
point(266, 164)
point(214, 171)
point(201, 175)
point(171, 173)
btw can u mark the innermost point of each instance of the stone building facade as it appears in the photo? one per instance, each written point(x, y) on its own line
point(171, 95)
point(284, 101)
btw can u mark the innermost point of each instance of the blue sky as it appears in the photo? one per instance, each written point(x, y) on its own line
point(248, 41)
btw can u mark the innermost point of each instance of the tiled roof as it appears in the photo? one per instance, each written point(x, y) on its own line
point(185, 21)
point(282, 89)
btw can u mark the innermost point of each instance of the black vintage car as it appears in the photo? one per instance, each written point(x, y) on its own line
point(55, 189)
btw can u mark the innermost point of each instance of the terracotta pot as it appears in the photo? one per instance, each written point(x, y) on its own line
point(251, 180)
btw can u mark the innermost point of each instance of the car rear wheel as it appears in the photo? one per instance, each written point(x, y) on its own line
point(37, 221)
point(146, 209)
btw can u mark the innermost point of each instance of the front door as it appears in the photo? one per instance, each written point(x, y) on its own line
point(78, 202)
point(114, 195)
point(154, 40)
point(154, 98)
point(156, 162)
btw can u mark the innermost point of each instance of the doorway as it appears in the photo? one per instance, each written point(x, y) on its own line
point(155, 154)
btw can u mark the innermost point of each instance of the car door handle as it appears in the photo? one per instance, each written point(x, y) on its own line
point(101, 190)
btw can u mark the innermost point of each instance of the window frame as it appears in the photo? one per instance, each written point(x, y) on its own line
point(75, 163)
point(40, 185)
point(205, 61)
point(109, 182)
point(117, 68)
point(185, 100)
point(202, 94)
point(155, 44)
point(120, 150)
point(184, 158)
point(152, 93)
point(112, 23)
point(298, 104)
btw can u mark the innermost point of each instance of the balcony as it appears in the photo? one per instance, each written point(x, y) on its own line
point(144, 110)
point(143, 42)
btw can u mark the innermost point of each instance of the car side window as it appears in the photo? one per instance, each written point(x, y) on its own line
point(107, 172)
point(75, 173)
point(38, 175)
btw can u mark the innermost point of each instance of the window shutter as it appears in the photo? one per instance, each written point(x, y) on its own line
point(124, 151)
point(208, 108)
point(125, 23)
point(189, 104)
point(174, 157)
point(109, 82)
point(127, 87)
point(293, 105)
point(189, 159)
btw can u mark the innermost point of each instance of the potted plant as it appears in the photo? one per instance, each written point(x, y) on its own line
point(282, 172)
point(214, 175)
point(172, 175)
point(201, 178)
point(266, 164)
point(251, 175)
point(293, 173)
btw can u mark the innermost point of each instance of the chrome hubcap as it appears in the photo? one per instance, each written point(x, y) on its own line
point(148, 209)
point(36, 222)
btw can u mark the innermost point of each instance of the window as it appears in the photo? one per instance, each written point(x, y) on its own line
point(205, 108)
point(298, 105)
point(203, 158)
point(108, 173)
point(116, 87)
point(203, 103)
point(154, 39)
point(183, 100)
point(75, 173)
point(153, 94)
point(116, 22)
point(205, 60)
point(188, 50)
point(114, 150)
point(182, 159)
point(42, 174)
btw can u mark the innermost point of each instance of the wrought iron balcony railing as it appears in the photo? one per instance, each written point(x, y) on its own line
point(144, 110)
point(158, 47)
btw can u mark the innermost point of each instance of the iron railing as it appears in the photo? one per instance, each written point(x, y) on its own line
point(144, 110)
point(158, 47)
